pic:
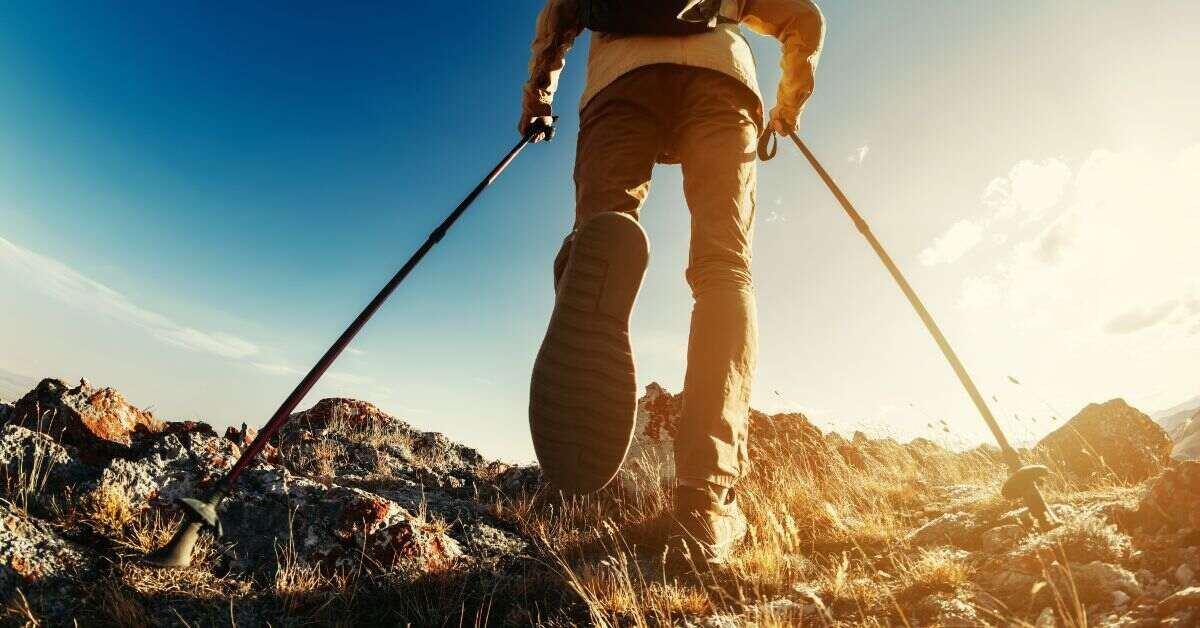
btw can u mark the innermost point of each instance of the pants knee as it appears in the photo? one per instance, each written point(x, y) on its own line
point(719, 274)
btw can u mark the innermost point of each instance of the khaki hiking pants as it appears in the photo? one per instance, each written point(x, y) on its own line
point(707, 122)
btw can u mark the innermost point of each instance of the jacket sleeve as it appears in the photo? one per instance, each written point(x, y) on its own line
point(557, 27)
point(800, 29)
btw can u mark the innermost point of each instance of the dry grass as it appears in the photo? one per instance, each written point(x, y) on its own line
point(107, 510)
point(118, 605)
point(370, 431)
point(932, 571)
point(821, 530)
point(1081, 540)
point(23, 481)
point(816, 522)
point(18, 612)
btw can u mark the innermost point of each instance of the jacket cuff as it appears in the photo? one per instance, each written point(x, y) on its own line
point(537, 102)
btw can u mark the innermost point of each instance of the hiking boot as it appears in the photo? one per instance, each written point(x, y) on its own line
point(583, 395)
point(709, 522)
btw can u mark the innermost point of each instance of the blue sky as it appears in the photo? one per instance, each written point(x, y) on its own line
point(195, 199)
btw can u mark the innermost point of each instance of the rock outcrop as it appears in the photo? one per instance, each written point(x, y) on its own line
point(344, 487)
point(98, 420)
point(352, 509)
point(788, 435)
point(1109, 440)
point(1173, 499)
point(651, 457)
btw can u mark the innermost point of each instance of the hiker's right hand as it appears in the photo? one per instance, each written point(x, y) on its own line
point(531, 115)
point(783, 120)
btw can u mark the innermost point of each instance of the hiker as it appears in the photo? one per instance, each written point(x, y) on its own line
point(690, 99)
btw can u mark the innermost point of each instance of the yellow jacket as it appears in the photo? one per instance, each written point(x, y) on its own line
point(797, 24)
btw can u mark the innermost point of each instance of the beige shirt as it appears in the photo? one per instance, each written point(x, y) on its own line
point(797, 24)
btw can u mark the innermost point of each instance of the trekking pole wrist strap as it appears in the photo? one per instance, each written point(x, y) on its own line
point(768, 145)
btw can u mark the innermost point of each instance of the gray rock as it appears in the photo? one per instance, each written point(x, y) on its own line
point(959, 529)
point(944, 609)
point(1104, 577)
point(1001, 539)
point(171, 468)
point(520, 480)
point(34, 557)
point(274, 513)
point(351, 439)
point(329, 525)
point(1006, 583)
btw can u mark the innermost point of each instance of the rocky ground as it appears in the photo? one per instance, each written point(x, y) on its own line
point(352, 517)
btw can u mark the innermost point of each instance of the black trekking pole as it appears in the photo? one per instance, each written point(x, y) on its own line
point(201, 513)
point(1023, 481)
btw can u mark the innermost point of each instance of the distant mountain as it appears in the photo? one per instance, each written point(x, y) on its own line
point(1187, 440)
point(1174, 419)
point(13, 386)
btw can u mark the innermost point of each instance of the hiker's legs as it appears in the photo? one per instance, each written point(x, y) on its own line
point(716, 140)
point(620, 135)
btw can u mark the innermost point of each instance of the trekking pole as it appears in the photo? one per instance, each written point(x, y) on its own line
point(201, 513)
point(1023, 481)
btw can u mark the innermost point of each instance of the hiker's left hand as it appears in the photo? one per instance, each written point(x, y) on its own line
point(533, 114)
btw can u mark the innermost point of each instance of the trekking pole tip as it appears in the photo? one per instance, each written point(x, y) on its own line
point(177, 553)
point(1024, 485)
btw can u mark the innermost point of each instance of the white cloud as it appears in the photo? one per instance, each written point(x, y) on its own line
point(953, 244)
point(70, 287)
point(1126, 239)
point(1030, 189)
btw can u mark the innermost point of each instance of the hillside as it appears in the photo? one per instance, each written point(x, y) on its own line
point(353, 517)
point(1187, 439)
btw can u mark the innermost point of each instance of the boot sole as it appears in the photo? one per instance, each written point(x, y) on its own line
point(583, 394)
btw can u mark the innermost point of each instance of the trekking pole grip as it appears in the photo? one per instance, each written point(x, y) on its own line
point(541, 129)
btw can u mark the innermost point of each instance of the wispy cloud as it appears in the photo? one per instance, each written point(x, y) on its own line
point(1140, 318)
point(72, 288)
point(859, 155)
point(275, 369)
